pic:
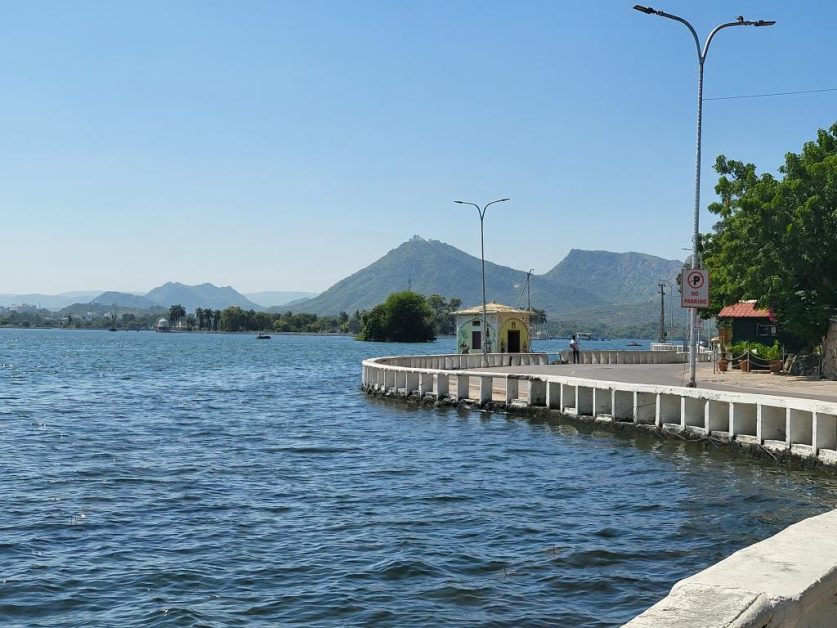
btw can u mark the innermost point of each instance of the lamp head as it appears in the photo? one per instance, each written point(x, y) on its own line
point(646, 10)
point(764, 23)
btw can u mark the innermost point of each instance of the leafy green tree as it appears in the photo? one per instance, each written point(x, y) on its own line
point(443, 318)
point(403, 317)
point(355, 323)
point(776, 238)
point(343, 321)
point(233, 318)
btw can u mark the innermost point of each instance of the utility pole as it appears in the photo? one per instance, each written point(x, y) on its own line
point(662, 313)
point(528, 299)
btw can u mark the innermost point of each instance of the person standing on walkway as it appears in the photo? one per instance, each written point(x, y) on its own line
point(575, 349)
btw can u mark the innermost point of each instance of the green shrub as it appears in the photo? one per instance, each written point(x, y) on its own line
point(738, 349)
point(771, 352)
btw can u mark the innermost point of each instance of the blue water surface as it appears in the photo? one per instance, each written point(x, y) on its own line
point(210, 479)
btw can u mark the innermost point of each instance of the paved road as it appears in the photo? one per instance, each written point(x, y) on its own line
point(678, 375)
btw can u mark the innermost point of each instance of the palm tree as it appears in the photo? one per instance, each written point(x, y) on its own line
point(176, 313)
point(200, 314)
point(217, 316)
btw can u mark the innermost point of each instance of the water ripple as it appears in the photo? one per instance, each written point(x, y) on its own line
point(170, 480)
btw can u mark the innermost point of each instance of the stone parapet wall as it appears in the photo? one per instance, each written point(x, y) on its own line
point(611, 356)
point(782, 427)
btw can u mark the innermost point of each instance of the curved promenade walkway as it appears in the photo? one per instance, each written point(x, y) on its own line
point(756, 382)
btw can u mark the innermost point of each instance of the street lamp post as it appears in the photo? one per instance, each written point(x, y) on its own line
point(481, 211)
point(701, 60)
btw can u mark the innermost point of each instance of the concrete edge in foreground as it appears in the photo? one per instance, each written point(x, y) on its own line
point(789, 579)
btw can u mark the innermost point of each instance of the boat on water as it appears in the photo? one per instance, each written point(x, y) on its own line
point(263, 337)
point(634, 344)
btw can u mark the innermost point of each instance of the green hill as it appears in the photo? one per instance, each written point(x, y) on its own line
point(586, 283)
point(204, 295)
point(615, 277)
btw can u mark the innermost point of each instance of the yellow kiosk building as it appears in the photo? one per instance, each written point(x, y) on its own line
point(507, 329)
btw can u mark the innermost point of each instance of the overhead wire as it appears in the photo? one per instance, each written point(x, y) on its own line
point(807, 91)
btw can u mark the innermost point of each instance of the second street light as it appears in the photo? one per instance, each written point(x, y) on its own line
point(481, 211)
point(695, 236)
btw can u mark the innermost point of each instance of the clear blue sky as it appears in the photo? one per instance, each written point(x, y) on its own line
point(283, 145)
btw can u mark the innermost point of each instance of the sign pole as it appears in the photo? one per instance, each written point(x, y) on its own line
point(694, 295)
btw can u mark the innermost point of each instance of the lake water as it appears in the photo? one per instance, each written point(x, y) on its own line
point(180, 479)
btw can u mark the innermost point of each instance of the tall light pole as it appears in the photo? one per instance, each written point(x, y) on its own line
point(695, 236)
point(481, 211)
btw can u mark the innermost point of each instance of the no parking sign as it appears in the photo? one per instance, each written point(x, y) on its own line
point(694, 292)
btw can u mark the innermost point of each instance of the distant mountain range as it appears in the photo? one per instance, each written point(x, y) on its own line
point(594, 286)
point(49, 301)
point(205, 295)
point(613, 287)
point(277, 298)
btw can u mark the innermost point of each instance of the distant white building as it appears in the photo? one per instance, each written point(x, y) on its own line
point(163, 325)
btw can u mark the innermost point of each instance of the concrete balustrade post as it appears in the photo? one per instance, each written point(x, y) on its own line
point(694, 413)
point(553, 395)
point(623, 405)
point(744, 421)
point(425, 384)
point(486, 383)
point(511, 389)
point(771, 423)
point(537, 393)
point(411, 383)
point(645, 407)
point(602, 400)
point(801, 428)
point(441, 383)
point(825, 431)
point(717, 416)
point(462, 385)
point(568, 398)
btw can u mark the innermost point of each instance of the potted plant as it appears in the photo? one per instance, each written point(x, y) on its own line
point(723, 359)
point(773, 355)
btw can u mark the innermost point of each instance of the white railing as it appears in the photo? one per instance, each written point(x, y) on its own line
point(802, 427)
point(632, 357)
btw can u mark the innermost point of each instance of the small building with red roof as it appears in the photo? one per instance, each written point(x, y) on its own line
point(747, 323)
